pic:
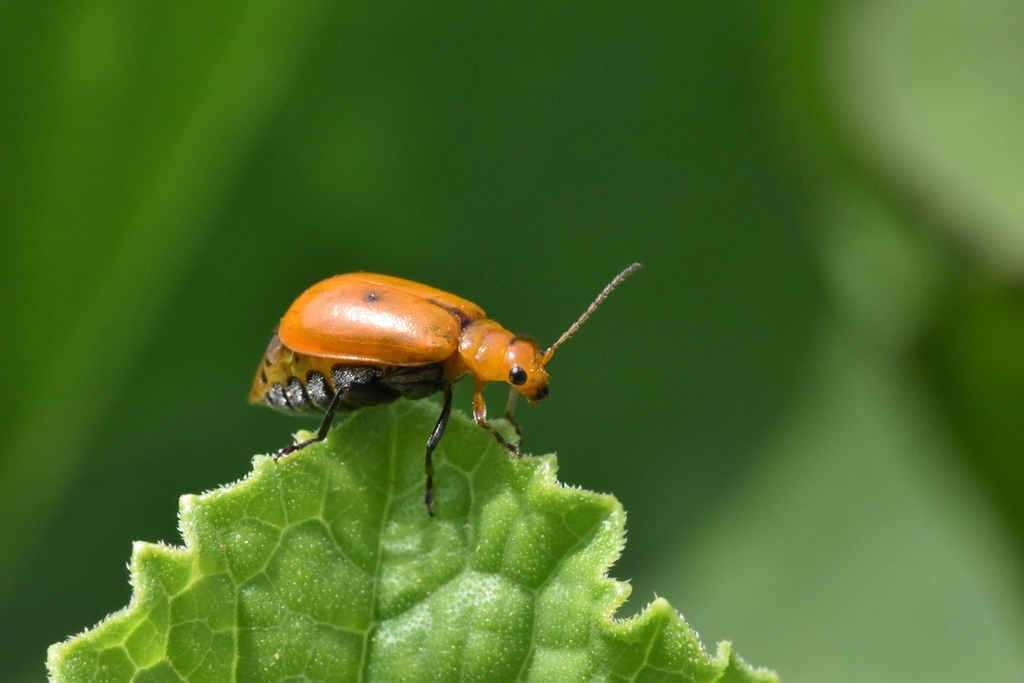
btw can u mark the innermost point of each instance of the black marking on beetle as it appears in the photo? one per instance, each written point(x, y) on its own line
point(347, 375)
point(361, 386)
point(277, 398)
point(263, 378)
point(416, 382)
point(372, 296)
point(297, 396)
point(542, 393)
point(320, 393)
point(463, 320)
point(523, 337)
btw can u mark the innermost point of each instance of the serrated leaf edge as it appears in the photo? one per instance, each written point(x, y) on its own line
point(656, 615)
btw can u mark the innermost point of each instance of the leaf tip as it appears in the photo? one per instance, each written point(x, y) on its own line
point(734, 669)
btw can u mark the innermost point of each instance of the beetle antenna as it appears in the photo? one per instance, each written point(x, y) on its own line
point(590, 309)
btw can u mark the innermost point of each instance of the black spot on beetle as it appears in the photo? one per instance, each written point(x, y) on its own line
point(277, 398)
point(296, 394)
point(263, 378)
point(372, 296)
point(319, 392)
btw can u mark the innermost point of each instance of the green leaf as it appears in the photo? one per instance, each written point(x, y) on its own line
point(327, 568)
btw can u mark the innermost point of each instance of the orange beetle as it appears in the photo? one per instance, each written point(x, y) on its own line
point(362, 339)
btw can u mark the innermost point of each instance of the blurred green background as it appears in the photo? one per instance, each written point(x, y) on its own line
point(810, 401)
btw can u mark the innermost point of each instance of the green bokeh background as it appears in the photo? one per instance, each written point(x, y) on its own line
point(810, 400)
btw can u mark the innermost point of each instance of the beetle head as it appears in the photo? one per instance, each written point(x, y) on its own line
point(525, 362)
point(493, 354)
point(490, 353)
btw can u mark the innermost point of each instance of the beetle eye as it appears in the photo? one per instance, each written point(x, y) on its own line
point(517, 376)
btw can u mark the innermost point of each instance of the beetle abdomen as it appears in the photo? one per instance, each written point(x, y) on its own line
point(301, 384)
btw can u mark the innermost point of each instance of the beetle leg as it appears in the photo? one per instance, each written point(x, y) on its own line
point(435, 438)
point(510, 408)
point(321, 433)
point(480, 415)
